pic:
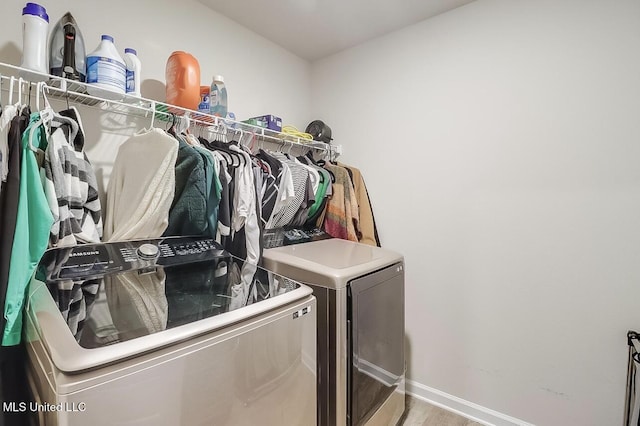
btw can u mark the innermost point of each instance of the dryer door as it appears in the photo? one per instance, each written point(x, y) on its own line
point(377, 340)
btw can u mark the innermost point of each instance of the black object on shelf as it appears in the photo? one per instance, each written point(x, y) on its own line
point(288, 236)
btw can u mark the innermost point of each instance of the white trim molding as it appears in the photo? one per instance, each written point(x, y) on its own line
point(461, 407)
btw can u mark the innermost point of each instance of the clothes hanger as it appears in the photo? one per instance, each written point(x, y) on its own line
point(66, 95)
point(323, 161)
point(45, 119)
point(190, 137)
point(21, 104)
point(29, 96)
point(216, 145)
point(172, 130)
point(235, 159)
point(38, 97)
point(153, 114)
point(252, 141)
point(225, 133)
point(238, 156)
point(183, 124)
point(47, 112)
point(237, 141)
point(20, 82)
point(12, 82)
point(332, 159)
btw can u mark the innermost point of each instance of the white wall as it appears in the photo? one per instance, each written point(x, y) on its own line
point(261, 77)
point(500, 144)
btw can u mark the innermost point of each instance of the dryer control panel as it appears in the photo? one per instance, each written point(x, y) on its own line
point(97, 260)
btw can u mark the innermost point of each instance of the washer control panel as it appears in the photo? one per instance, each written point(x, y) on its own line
point(148, 252)
point(97, 260)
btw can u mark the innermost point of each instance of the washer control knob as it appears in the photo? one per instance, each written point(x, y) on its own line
point(148, 252)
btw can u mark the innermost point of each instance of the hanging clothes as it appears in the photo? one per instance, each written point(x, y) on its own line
point(322, 191)
point(139, 198)
point(281, 192)
point(341, 213)
point(9, 112)
point(70, 184)
point(311, 187)
point(325, 191)
point(33, 227)
point(268, 193)
point(213, 188)
point(299, 176)
point(71, 188)
point(224, 206)
point(245, 223)
point(188, 212)
point(9, 203)
point(367, 232)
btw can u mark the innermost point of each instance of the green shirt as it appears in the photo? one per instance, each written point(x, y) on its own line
point(322, 191)
point(214, 189)
point(32, 232)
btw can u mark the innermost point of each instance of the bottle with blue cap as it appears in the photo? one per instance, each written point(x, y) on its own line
point(133, 71)
point(35, 27)
point(218, 97)
point(106, 71)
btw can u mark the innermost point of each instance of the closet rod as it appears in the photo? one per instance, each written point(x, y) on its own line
point(74, 91)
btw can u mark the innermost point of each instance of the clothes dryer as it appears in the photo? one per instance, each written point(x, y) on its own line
point(162, 332)
point(360, 294)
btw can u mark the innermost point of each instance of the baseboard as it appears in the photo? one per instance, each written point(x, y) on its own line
point(461, 407)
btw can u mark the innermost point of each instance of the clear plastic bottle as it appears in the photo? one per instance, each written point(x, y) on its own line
point(133, 71)
point(218, 97)
point(106, 71)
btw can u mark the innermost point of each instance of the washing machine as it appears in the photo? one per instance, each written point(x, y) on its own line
point(167, 332)
point(360, 295)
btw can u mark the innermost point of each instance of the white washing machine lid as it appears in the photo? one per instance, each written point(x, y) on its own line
point(328, 263)
point(134, 304)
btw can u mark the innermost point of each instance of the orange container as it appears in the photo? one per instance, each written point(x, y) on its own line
point(183, 80)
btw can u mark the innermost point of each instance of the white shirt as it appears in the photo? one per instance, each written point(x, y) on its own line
point(286, 194)
point(141, 187)
point(247, 208)
point(314, 175)
point(8, 114)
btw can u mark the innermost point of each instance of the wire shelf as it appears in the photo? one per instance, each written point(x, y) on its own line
point(24, 81)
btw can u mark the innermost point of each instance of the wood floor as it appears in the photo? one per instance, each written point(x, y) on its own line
point(420, 413)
